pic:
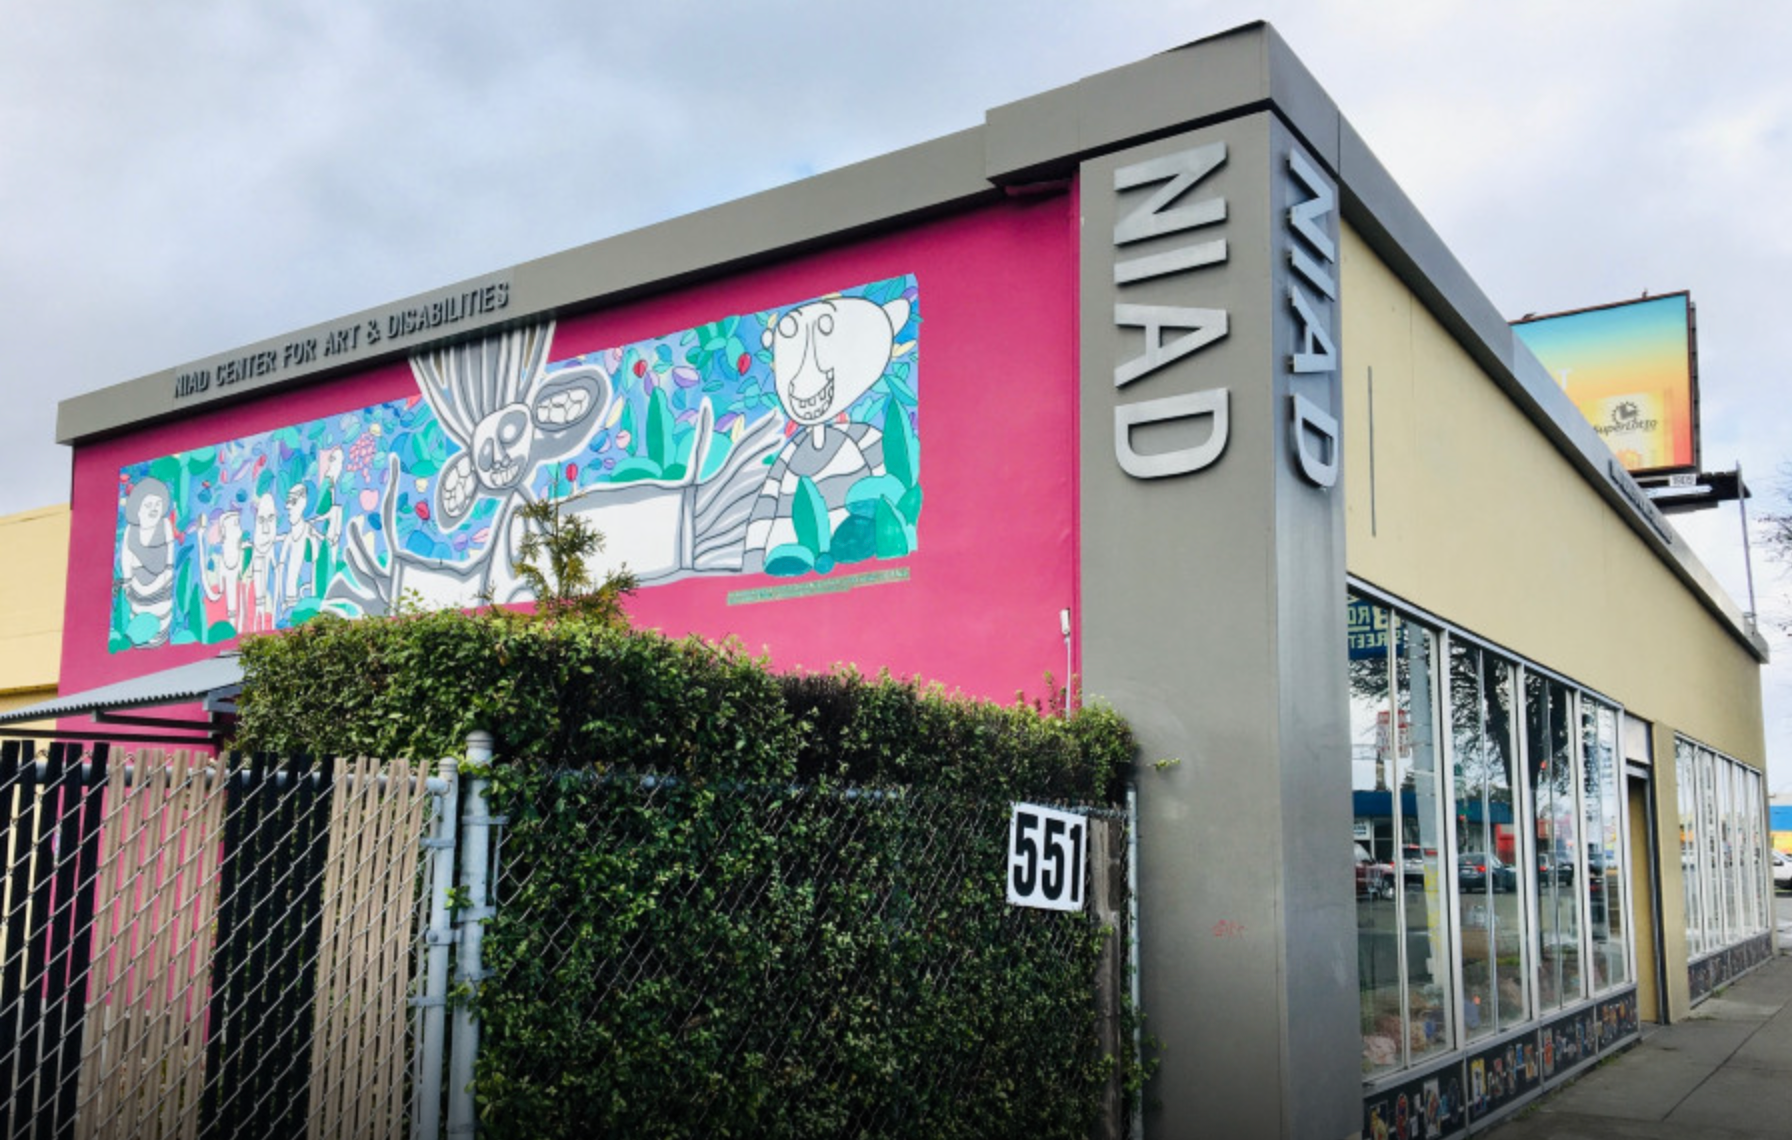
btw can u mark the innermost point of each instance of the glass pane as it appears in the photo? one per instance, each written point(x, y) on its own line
point(1374, 845)
point(1425, 921)
point(1709, 860)
point(1611, 787)
point(1605, 922)
point(1686, 776)
point(1550, 756)
point(1492, 929)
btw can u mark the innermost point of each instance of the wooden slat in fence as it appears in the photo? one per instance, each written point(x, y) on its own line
point(155, 896)
point(364, 957)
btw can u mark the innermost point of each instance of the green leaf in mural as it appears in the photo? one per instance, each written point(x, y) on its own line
point(892, 535)
point(900, 458)
point(855, 540)
point(630, 470)
point(659, 428)
point(219, 631)
point(809, 513)
point(910, 505)
point(789, 561)
point(866, 491)
point(188, 599)
point(167, 469)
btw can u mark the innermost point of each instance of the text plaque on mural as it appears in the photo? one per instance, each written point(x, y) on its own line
point(783, 442)
point(1047, 851)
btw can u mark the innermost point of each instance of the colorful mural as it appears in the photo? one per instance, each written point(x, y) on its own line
point(784, 442)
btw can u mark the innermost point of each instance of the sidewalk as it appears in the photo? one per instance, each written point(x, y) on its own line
point(1723, 1074)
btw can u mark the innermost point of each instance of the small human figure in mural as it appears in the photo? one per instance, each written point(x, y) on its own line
point(221, 570)
point(298, 551)
point(263, 563)
point(147, 562)
point(825, 355)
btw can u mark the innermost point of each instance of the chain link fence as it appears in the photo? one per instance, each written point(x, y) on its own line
point(674, 958)
point(245, 947)
point(192, 947)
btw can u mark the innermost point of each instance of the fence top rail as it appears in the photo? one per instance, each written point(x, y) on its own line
point(37, 771)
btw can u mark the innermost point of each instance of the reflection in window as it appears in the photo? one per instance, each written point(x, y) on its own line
point(1403, 929)
point(1599, 795)
point(1379, 953)
point(1425, 921)
point(1687, 779)
point(1723, 849)
point(1492, 941)
point(1550, 756)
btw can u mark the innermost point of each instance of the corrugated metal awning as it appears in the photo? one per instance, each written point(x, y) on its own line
point(215, 681)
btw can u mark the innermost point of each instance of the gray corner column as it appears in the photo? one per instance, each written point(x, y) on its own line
point(1213, 600)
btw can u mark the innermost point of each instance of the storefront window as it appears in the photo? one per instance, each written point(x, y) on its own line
point(1490, 875)
point(1375, 841)
point(1492, 941)
point(1685, 760)
point(1403, 929)
point(1723, 849)
point(1549, 750)
point(1599, 798)
point(1425, 920)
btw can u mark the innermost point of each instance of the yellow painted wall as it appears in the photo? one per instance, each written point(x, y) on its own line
point(1474, 515)
point(33, 575)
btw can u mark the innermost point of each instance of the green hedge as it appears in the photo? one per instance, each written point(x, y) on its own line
point(733, 903)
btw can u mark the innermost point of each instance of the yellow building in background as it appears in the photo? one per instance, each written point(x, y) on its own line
point(33, 576)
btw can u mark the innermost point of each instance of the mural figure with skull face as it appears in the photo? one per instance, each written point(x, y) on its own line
point(825, 356)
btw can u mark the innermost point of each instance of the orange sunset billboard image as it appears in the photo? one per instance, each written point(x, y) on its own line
point(1629, 368)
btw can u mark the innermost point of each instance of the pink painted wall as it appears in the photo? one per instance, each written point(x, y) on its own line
point(997, 556)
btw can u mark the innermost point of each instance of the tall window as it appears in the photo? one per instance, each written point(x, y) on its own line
point(1487, 834)
point(1723, 841)
point(1549, 747)
point(1603, 844)
point(1686, 776)
point(1489, 851)
point(1404, 961)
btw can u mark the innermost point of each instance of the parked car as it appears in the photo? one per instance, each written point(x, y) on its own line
point(1475, 871)
point(1373, 880)
point(1782, 870)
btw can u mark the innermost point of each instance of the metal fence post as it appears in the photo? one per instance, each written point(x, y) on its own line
point(440, 935)
point(475, 858)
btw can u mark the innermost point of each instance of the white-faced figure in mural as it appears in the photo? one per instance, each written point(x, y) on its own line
point(504, 415)
point(147, 561)
point(825, 355)
point(298, 549)
point(221, 570)
point(263, 562)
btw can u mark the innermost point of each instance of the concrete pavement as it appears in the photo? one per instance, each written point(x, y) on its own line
point(1723, 1074)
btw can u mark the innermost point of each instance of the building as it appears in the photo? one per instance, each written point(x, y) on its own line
point(1158, 377)
point(32, 578)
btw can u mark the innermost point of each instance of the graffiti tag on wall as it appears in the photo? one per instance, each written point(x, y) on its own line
point(784, 442)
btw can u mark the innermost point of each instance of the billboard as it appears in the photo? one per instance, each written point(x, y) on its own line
point(1631, 369)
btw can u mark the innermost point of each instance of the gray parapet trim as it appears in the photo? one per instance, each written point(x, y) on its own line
point(1040, 138)
point(1221, 77)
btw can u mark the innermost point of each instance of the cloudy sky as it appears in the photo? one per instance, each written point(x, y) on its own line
point(179, 179)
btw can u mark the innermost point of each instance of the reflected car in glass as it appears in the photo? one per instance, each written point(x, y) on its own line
point(1373, 880)
point(1477, 870)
